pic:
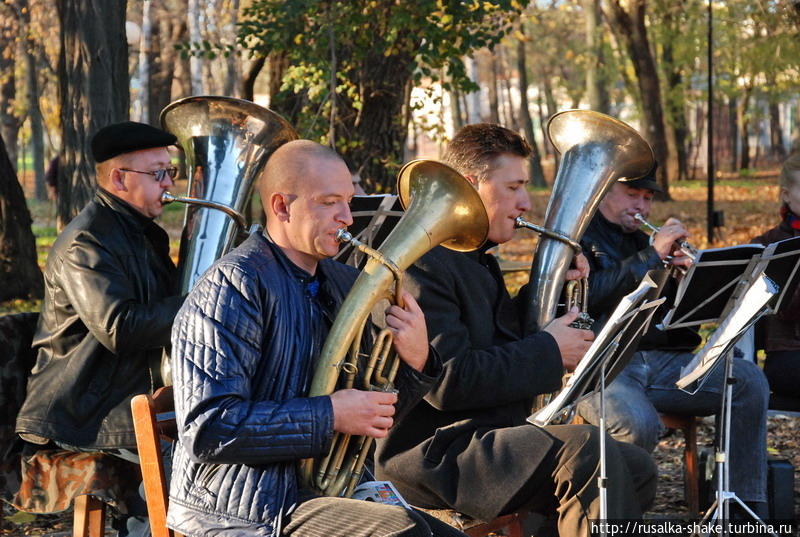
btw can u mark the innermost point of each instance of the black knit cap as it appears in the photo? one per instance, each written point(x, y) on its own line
point(647, 182)
point(127, 137)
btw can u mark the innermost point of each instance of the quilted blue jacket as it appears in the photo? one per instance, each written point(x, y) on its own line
point(243, 347)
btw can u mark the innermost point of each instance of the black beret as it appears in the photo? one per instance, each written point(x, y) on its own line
point(127, 137)
point(647, 182)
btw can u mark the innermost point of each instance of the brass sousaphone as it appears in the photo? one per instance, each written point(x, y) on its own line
point(442, 207)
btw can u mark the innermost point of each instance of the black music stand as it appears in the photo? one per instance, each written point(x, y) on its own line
point(374, 217)
point(764, 288)
point(609, 354)
point(718, 269)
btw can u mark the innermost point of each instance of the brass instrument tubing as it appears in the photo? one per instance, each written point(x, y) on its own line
point(521, 222)
point(167, 198)
point(344, 236)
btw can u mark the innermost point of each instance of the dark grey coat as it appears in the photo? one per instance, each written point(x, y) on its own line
point(461, 446)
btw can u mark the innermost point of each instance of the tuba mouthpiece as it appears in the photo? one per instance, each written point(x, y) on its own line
point(166, 198)
point(343, 235)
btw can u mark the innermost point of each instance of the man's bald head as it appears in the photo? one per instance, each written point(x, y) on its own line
point(291, 165)
point(305, 191)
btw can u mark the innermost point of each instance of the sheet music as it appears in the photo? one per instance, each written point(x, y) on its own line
point(751, 303)
point(607, 341)
point(710, 283)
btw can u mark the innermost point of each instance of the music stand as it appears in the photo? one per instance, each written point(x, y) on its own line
point(608, 355)
point(374, 217)
point(721, 269)
point(746, 311)
point(766, 288)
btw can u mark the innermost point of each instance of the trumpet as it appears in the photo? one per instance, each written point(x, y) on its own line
point(684, 246)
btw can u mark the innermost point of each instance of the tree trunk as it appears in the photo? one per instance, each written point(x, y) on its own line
point(93, 91)
point(675, 100)
point(169, 30)
point(733, 122)
point(250, 76)
point(511, 117)
point(535, 166)
point(380, 121)
point(34, 111)
point(455, 109)
point(195, 37)
point(744, 126)
point(20, 276)
point(630, 28)
point(182, 81)
point(145, 64)
point(596, 90)
point(233, 72)
point(775, 133)
point(491, 67)
point(9, 122)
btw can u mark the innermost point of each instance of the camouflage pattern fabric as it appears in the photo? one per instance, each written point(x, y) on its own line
point(52, 479)
point(16, 362)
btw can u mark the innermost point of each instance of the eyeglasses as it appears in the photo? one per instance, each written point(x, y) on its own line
point(160, 175)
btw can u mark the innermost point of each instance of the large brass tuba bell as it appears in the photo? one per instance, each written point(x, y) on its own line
point(226, 143)
point(596, 150)
point(442, 207)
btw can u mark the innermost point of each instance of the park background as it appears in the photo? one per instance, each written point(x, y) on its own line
point(385, 81)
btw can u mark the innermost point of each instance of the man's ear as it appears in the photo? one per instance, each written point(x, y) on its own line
point(279, 206)
point(784, 195)
point(116, 180)
point(472, 179)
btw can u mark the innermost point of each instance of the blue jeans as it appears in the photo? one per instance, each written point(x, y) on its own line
point(135, 523)
point(647, 386)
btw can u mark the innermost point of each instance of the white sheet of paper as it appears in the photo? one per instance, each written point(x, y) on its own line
point(596, 351)
point(750, 304)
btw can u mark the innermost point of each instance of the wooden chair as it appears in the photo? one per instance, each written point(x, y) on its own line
point(691, 477)
point(148, 435)
point(510, 525)
point(88, 517)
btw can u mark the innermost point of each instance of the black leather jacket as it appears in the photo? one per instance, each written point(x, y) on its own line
point(106, 316)
point(618, 262)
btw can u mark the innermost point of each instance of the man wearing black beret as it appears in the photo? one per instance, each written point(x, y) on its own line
point(109, 303)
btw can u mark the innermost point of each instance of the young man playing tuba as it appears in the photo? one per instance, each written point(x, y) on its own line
point(467, 445)
point(244, 348)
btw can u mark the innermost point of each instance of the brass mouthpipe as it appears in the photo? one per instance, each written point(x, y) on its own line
point(345, 236)
point(167, 198)
point(683, 244)
point(520, 222)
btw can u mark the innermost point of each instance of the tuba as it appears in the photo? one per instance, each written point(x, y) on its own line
point(596, 150)
point(226, 143)
point(442, 207)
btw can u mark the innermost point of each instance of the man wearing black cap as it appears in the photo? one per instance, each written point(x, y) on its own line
point(620, 254)
point(109, 301)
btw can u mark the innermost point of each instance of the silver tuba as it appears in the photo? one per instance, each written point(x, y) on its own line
point(596, 150)
point(226, 143)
